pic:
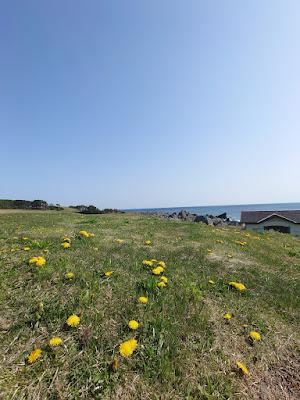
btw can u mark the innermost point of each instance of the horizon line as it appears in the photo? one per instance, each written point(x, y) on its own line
point(211, 205)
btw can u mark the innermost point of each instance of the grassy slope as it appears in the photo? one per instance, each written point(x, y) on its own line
point(186, 350)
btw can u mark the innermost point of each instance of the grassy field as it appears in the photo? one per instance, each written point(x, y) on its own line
point(186, 348)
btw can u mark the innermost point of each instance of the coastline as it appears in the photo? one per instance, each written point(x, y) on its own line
point(233, 211)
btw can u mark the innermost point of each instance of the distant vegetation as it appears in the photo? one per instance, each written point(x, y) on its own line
point(28, 205)
point(43, 205)
point(94, 210)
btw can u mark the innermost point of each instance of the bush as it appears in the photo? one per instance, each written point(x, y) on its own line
point(94, 210)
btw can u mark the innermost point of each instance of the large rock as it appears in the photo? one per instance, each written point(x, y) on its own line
point(209, 220)
point(173, 216)
point(217, 221)
point(233, 223)
point(186, 216)
point(201, 218)
point(222, 216)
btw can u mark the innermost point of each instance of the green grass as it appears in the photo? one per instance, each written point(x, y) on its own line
point(186, 350)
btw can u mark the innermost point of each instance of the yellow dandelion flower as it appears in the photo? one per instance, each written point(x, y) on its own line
point(73, 320)
point(157, 270)
point(66, 245)
point(55, 341)
point(69, 275)
point(143, 300)
point(127, 348)
point(227, 316)
point(91, 234)
point(164, 279)
point(38, 261)
point(238, 286)
point(34, 355)
point(242, 368)
point(161, 284)
point(162, 264)
point(148, 263)
point(84, 234)
point(66, 239)
point(26, 248)
point(148, 242)
point(153, 260)
point(133, 324)
point(108, 273)
point(241, 243)
point(255, 336)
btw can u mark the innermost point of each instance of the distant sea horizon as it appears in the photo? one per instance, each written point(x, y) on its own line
point(233, 211)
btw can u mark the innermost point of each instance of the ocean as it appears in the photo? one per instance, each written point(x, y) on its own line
point(233, 211)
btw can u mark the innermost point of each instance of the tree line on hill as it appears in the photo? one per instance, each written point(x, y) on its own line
point(28, 205)
point(43, 205)
point(94, 210)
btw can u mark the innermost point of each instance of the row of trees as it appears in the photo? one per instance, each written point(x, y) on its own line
point(43, 205)
point(28, 205)
point(94, 210)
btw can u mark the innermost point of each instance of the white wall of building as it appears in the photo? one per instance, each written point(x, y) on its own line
point(275, 221)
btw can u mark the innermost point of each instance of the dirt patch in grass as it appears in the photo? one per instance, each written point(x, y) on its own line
point(279, 381)
point(274, 364)
point(232, 263)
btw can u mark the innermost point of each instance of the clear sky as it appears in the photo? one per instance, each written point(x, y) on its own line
point(150, 103)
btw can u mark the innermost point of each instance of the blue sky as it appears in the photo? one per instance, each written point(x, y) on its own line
point(150, 103)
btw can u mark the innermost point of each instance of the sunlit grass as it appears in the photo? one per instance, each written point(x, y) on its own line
point(186, 349)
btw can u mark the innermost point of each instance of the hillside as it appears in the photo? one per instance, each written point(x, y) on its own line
point(186, 349)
